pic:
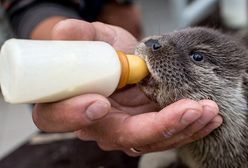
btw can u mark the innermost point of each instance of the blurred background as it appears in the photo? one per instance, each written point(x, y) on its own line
point(22, 145)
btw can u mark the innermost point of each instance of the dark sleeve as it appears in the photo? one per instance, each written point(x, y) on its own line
point(25, 15)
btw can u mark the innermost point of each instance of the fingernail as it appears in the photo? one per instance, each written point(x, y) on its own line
point(97, 110)
point(190, 116)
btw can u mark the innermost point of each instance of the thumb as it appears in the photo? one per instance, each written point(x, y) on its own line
point(72, 29)
point(71, 114)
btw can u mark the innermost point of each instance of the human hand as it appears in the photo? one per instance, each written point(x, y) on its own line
point(126, 119)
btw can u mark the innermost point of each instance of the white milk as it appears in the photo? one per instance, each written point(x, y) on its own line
point(33, 71)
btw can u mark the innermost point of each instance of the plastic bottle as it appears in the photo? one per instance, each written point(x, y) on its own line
point(33, 71)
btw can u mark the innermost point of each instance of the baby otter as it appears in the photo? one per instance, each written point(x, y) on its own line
point(201, 63)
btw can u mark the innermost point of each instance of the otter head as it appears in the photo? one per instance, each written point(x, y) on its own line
point(197, 63)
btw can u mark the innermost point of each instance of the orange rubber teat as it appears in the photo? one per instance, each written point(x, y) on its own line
point(133, 69)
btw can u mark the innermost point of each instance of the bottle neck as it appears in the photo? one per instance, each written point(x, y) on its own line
point(133, 69)
point(124, 69)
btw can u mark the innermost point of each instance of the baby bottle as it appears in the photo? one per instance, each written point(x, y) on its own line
point(38, 71)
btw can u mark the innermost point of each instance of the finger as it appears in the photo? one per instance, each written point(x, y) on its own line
point(208, 117)
point(72, 29)
point(209, 113)
point(71, 114)
point(148, 128)
point(181, 139)
point(215, 123)
point(115, 36)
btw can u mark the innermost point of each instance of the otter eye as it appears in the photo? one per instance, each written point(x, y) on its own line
point(197, 56)
point(153, 44)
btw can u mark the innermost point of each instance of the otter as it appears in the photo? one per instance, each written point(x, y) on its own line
point(202, 63)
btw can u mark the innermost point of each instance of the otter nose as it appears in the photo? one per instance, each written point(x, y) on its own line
point(153, 44)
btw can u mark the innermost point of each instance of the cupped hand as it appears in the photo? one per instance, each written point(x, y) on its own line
point(127, 119)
